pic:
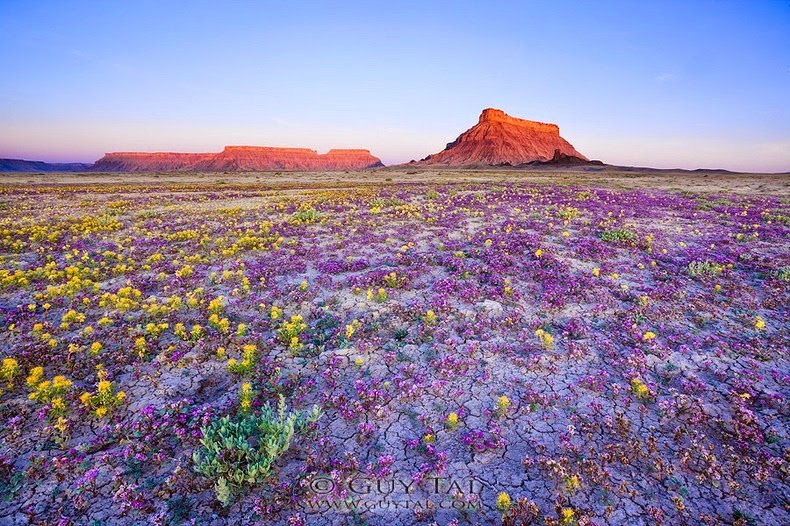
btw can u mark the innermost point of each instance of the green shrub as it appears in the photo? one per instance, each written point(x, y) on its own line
point(568, 213)
point(239, 452)
point(620, 235)
point(306, 215)
point(706, 268)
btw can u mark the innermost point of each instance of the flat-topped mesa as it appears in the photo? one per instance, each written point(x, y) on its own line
point(239, 158)
point(148, 162)
point(501, 140)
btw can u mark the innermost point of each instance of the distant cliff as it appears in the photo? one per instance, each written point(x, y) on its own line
point(19, 165)
point(499, 139)
point(238, 158)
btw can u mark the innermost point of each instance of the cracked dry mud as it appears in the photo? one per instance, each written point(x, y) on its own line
point(610, 356)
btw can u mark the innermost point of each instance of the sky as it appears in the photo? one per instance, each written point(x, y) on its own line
point(666, 84)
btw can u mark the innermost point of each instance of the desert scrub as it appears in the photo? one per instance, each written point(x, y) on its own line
point(568, 213)
point(704, 268)
point(239, 452)
point(619, 235)
point(304, 216)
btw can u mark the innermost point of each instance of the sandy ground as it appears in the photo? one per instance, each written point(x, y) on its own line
point(705, 182)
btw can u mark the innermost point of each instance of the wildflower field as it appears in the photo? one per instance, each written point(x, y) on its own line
point(398, 353)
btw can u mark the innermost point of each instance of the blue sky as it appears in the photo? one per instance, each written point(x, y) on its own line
point(666, 84)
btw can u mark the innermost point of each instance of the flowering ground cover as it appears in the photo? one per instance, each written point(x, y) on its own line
point(457, 353)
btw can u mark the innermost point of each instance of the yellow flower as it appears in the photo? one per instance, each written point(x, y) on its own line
point(104, 386)
point(429, 438)
point(538, 253)
point(759, 323)
point(503, 501)
point(649, 335)
point(61, 382)
point(572, 482)
point(58, 405)
point(9, 370)
point(101, 411)
point(452, 421)
point(596, 272)
point(640, 389)
point(502, 404)
point(85, 398)
point(358, 362)
point(567, 515)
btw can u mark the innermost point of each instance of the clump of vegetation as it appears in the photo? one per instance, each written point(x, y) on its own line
point(239, 452)
point(568, 213)
point(704, 268)
point(304, 216)
point(619, 235)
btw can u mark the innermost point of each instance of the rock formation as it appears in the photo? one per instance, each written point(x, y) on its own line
point(149, 162)
point(20, 165)
point(238, 158)
point(499, 139)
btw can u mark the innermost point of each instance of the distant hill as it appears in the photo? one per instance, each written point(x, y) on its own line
point(501, 140)
point(20, 165)
point(237, 159)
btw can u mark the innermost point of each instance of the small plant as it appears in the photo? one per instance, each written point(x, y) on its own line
point(546, 339)
point(352, 328)
point(503, 502)
point(8, 371)
point(452, 422)
point(304, 216)
point(47, 391)
point(393, 281)
point(104, 398)
point(572, 483)
point(502, 405)
point(568, 213)
point(640, 389)
point(246, 395)
point(379, 297)
point(290, 333)
point(567, 516)
point(239, 452)
point(704, 268)
point(249, 353)
point(521, 513)
point(620, 235)
point(429, 319)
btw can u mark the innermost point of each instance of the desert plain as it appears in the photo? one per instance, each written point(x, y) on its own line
point(551, 347)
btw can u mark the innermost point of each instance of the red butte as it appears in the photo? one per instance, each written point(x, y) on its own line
point(499, 139)
point(237, 158)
